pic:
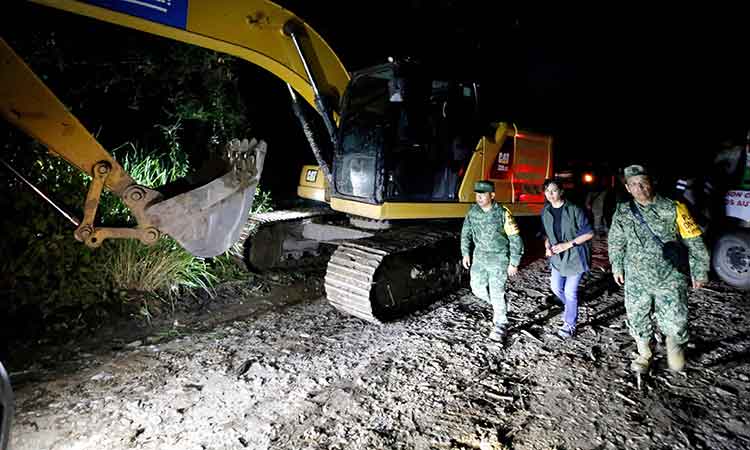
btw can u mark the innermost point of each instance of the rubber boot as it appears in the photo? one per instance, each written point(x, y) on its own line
point(675, 355)
point(642, 363)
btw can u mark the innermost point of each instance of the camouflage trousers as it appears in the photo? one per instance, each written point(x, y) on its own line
point(489, 272)
point(665, 304)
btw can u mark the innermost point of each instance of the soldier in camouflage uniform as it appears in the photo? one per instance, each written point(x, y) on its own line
point(653, 287)
point(498, 247)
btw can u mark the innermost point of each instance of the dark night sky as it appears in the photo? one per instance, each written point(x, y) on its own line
point(635, 84)
point(616, 86)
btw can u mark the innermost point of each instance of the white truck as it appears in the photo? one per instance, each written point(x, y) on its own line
point(731, 252)
point(721, 203)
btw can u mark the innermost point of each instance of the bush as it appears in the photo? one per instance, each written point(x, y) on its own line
point(190, 94)
point(57, 276)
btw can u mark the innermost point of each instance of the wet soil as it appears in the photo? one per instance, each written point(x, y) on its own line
point(268, 364)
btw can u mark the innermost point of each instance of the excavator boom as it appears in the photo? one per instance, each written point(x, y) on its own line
point(209, 219)
point(206, 221)
point(258, 31)
point(402, 140)
point(44, 117)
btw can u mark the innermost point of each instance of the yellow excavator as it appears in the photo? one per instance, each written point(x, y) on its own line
point(401, 173)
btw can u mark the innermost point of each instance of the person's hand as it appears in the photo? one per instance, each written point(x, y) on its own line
point(548, 252)
point(698, 284)
point(467, 262)
point(512, 270)
point(559, 248)
point(619, 278)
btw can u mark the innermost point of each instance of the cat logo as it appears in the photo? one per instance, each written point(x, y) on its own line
point(311, 175)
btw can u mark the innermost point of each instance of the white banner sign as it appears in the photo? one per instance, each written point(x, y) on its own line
point(738, 204)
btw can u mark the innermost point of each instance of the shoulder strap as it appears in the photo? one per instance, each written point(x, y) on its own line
point(639, 216)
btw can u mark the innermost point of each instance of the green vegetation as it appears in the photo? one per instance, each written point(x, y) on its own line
point(163, 109)
point(47, 269)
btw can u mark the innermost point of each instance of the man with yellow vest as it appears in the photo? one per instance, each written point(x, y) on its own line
point(497, 252)
point(646, 257)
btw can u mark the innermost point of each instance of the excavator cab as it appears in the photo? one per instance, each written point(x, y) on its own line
point(403, 136)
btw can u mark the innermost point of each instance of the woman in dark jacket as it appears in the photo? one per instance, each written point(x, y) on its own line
point(567, 243)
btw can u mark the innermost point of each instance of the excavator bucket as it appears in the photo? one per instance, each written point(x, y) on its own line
point(208, 220)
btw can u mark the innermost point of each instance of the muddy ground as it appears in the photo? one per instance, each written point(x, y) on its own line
point(269, 364)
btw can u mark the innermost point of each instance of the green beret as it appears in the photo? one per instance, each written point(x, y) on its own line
point(484, 186)
point(634, 170)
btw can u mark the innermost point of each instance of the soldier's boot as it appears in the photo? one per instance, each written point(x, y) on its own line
point(675, 355)
point(642, 362)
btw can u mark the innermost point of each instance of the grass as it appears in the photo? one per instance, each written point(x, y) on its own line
point(57, 276)
point(164, 267)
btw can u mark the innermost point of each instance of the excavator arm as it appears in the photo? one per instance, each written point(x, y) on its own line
point(28, 104)
point(207, 220)
point(258, 31)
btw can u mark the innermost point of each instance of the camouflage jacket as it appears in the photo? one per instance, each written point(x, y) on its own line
point(634, 253)
point(492, 231)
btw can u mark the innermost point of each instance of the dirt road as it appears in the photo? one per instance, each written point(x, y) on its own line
point(284, 370)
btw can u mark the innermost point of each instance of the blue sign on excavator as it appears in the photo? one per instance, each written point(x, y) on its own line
point(167, 12)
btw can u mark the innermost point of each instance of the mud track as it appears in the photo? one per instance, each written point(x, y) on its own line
point(271, 365)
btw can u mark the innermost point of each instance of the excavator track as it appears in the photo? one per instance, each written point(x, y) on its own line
point(272, 229)
point(395, 272)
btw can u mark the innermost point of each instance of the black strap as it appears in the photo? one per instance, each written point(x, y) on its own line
point(639, 216)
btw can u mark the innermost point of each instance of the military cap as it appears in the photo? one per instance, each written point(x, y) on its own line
point(484, 186)
point(634, 170)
